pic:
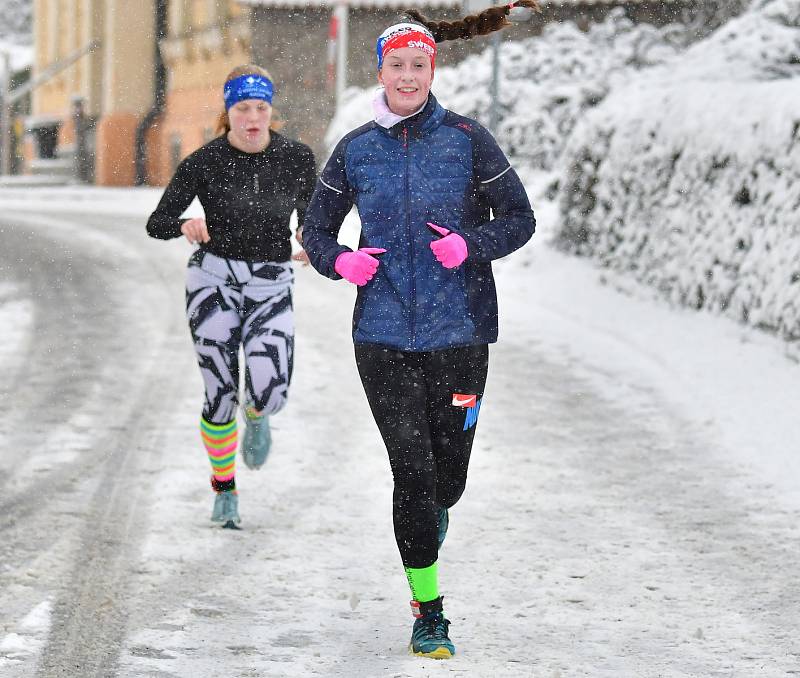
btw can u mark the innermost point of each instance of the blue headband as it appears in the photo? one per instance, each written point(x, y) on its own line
point(248, 87)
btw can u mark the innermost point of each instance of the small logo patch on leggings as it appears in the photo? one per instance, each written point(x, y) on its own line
point(463, 400)
point(472, 415)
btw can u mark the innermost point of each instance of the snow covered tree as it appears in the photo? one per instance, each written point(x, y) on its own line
point(687, 176)
point(707, 16)
point(16, 20)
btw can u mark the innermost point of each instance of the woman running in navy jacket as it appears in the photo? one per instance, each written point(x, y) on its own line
point(438, 202)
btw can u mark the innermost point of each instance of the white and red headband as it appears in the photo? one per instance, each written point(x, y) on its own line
point(406, 35)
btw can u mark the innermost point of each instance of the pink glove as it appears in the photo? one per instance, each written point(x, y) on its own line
point(358, 267)
point(451, 250)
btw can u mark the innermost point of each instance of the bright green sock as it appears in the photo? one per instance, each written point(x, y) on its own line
point(424, 582)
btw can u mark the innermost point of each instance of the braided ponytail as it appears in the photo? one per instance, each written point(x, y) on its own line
point(487, 21)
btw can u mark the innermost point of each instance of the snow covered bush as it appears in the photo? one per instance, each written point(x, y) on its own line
point(707, 16)
point(15, 21)
point(689, 175)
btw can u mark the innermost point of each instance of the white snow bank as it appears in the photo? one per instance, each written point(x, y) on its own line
point(740, 384)
point(689, 176)
point(91, 198)
point(21, 56)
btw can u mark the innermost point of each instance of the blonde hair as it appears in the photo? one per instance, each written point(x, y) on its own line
point(223, 124)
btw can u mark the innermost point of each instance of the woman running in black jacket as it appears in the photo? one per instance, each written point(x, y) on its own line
point(239, 281)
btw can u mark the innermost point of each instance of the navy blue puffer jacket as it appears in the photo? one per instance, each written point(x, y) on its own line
point(435, 166)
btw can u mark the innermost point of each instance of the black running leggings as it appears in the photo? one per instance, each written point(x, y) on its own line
point(426, 406)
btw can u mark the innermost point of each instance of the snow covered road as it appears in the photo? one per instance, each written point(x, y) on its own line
point(75, 396)
point(632, 508)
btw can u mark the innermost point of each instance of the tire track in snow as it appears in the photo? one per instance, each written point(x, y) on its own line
point(76, 523)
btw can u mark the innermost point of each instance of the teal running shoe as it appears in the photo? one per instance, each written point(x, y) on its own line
point(444, 523)
point(257, 439)
point(429, 637)
point(226, 510)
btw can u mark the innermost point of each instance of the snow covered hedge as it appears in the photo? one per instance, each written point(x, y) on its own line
point(15, 21)
point(689, 176)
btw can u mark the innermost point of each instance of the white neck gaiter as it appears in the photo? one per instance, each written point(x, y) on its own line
point(383, 115)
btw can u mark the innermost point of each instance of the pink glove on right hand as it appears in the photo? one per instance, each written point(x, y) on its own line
point(450, 250)
point(358, 267)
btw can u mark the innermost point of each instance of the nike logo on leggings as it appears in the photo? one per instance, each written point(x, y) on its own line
point(461, 400)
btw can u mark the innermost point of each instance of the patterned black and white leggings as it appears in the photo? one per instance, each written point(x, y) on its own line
point(233, 303)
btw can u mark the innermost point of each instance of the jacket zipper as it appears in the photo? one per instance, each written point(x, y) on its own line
point(410, 244)
point(256, 187)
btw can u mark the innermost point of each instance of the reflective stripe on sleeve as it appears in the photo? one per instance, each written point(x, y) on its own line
point(488, 181)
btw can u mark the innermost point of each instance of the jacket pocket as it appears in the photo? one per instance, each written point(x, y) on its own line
point(442, 308)
point(381, 316)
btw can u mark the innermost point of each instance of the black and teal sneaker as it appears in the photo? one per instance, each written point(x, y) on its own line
point(444, 522)
point(226, 504)
point(429, 637)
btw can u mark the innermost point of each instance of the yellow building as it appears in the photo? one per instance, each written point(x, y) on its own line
point(205, 40)
point(148, 74)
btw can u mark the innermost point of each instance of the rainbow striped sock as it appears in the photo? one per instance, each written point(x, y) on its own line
point(220, 442)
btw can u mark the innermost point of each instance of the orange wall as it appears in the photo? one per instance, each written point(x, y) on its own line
point(114, 150)
point(66, 133)
point(190, 114)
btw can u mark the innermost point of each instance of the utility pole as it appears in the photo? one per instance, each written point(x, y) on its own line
point(81, 167)
point(5, 118)
point(342, 12)
point(516, 15)
point(494, 84)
